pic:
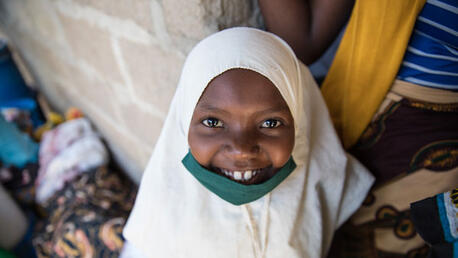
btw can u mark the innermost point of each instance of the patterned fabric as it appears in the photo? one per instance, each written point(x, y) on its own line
point(431, 58)
point(436, 220)
point(410, 135)
point(86, 217)
point(412, 149)
point(20, 183)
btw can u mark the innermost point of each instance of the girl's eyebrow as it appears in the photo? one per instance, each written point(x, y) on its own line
point(276, 109)
point(209, 108)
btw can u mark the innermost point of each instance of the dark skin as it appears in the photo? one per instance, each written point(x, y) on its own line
point(308, 26)
point(242, 123)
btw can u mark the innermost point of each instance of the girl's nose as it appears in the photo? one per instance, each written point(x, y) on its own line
point(242, 145)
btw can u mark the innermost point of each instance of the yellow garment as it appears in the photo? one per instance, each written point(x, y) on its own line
point(367, 62)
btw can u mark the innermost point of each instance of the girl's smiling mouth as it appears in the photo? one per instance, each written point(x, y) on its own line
point(248, 176)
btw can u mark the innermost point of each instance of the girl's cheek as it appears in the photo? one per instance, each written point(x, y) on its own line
point(203, 148)
point(279, 149)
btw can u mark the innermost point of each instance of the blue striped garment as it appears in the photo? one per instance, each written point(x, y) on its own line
point(431, 59)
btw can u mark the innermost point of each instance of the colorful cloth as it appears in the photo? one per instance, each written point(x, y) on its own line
point(65, 152)
point(367, 62)
point(412, 148)
point(16, 148)
point(411, 134)
point(431, 59)
point(20, 182)
point(86, 217)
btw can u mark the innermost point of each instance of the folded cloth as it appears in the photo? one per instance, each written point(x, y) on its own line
point(65, 152)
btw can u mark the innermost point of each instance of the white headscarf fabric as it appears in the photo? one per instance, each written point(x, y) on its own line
point(175, 216)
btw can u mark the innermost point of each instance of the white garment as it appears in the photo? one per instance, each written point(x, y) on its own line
point(67, 151)
point(175, 216)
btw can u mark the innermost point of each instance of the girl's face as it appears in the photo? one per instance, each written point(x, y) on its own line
point(241, 127)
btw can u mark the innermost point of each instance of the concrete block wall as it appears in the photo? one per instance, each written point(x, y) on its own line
point(118, 61)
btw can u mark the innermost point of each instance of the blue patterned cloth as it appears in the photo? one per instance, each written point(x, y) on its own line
point(431, 59)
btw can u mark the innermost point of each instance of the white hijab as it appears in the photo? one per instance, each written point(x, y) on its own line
point(175, 216)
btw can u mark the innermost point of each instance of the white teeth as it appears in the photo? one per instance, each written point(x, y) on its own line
point(247, 175)
point(237, 175)
point(240, 175)
point(226, 172)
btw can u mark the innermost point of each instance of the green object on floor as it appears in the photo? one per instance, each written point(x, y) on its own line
point(6, 254)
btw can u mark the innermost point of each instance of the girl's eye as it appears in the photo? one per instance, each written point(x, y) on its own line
point(212, 123)
point(270, 123)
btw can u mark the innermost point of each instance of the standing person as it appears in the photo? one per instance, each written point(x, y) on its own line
point(248, 163)
point(392, 95)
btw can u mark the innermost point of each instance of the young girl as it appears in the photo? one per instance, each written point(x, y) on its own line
point(248, 163)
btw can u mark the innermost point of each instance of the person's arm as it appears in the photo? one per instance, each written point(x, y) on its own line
point(309, 26)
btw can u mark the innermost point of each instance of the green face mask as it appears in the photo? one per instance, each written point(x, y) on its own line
point(231, 191)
